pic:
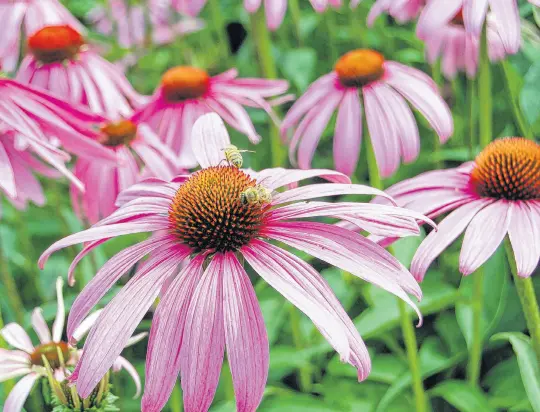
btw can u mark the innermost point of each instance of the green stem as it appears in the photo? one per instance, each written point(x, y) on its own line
point(263, 44)
point(484, 93)
point(471, 109)
point(331, 32)
point(294, 7)
point(513, 96)
point(529, 304)
point(219, 27)
point(12, 291)
point(305, 372)
point(409, 337)
point(477, 339)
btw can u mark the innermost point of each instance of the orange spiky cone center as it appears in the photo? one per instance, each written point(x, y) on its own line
point(118, 133)
point(184, 82)
point(51, 352)
point(54, 44)
point(360, 67)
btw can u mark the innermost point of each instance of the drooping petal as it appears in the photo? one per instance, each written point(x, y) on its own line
point(17, 337)
point(245, 336)
point(58, 325)
point(474, 14)
point(210, 138)
point(119, 319)
point(524, 235)
point(167, 336)
point(122, 363)
point(84, 327)
point(484, 234)
point(278, 177)
point(40, 326)
point(506, 14)
point(348, 133)
point(18, 395)
point(201, 354)
point(275, 12)
point(436, 14)
point(449, 229)
point(326, 189)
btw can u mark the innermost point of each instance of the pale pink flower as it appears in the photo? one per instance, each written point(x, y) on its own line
point(35, 123)
point(275, 9)
point(26, 360)
point(458, 49)
point(60, 61)
point(187, 92)
point(535, 2)
point(129, 22)
point(438, 13)
point(136, 147)
point(28, 16)
point(401, 10)
point(384, 87)
point(208, 221)
point(496, 195)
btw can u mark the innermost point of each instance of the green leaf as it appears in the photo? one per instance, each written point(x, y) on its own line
point(504, 384)
point(299, 66)
point(529, 102)
point(528, 365)
point(296, 403)
point(462, 396)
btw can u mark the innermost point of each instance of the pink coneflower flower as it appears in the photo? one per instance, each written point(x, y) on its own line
point(60, 61)
point(136, 147)
point(130, 23)
point(187, 92)
point(459, 49)
point(496, 195)
point(208, 221)
point(401, 10)
point(32, 15)
point(384, 86)
point(36, 121)
point(275, 9)
point(439, 13)
point(27, 360)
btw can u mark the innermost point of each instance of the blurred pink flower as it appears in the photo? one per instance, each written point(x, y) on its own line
point(130, 22)
point(384, 87)
point(136, 147)
point(187, 92)
point(496, 195)
point(275, 9)
point(61, 62)
point(401, 10)
point(459, 49)
point(35, 123)
point(32, 15)
point(207, 220)
point(439, 13)
point(26, 360)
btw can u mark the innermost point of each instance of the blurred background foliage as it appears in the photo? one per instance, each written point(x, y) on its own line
point(305, 374)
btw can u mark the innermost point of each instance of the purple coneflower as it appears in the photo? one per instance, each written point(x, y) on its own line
point(60, 61)
point(384, 87)
point(401, 10)
point(212, 221)
point(27, 360)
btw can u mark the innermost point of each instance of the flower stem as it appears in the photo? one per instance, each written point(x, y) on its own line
point(527, 297)
point(409, 336)
point(477, 340)
point(305, 373)
point(513, 96)
point(220, 29)
point(331, 32)
point(484, 92)
point(263, 44)
point(471, 109)
point(294, 7)
point(10, 286)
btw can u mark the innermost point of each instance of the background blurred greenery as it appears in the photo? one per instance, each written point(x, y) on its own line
point(303, 52)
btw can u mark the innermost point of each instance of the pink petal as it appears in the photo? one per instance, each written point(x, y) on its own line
point(278, 177)
point(324, 190)
point(210, 139)
point(84, 327)
point(319, 290)
point(351, 252)
point(437, 14)
point(16, 336)
point(58, 325)
point(449, 229)
point(275, 12)
point(507, 15)
point(40, 326)
point(119, 319)
point(348, 133)
point(524, 233)
point(167, 336)
point(245, 335)
point(123, 363)
point(484, 235)
point(474, 14)
point(201, 354)
point(18, 395)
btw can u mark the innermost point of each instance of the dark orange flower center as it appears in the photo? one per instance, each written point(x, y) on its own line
point(458, 18)
point(360, 67)
point(184, 82)
point(118, 133)
point(50, 352)
point(208, 213)
point(54, 44)
point(508, 169)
